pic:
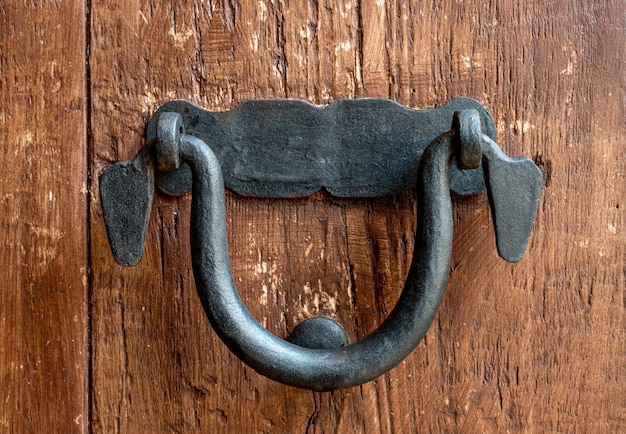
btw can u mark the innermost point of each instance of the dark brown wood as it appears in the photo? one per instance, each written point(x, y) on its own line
point(533, 347)
point(43, 185)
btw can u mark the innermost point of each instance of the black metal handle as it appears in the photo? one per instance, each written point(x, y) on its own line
point(318, 356)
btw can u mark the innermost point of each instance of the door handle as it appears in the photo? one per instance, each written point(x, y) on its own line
point(351, 148)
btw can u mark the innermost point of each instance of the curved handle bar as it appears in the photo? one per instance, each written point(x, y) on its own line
point(321, 369)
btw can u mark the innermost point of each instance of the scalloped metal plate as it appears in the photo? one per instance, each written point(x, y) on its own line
point(291, 148)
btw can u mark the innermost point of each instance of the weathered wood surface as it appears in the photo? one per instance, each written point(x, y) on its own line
point(43, 232)
point(538, 346)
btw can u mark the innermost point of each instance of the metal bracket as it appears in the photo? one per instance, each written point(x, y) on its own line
point(290, 148)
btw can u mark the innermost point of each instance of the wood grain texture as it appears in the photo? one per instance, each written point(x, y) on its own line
point(537, 346)
point(43, 184)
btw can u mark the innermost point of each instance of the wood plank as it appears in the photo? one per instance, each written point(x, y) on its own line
point(534, 346)
point(43, 185)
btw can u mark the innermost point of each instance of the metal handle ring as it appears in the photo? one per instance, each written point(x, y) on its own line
point(317, 368)
point(317, 355)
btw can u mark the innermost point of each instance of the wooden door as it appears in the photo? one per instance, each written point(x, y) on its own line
point(87, 345)
point(44, 223)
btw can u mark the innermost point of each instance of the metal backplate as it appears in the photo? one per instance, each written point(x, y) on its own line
point(290, 148)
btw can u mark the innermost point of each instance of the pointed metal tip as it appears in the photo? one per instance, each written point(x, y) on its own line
point(126, 191)
point(514, 187)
